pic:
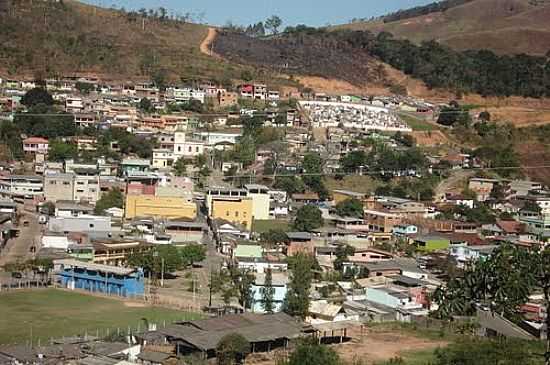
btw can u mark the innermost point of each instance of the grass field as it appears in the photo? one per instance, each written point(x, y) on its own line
point(54, 313)
point(261, 226)
point(417, 124)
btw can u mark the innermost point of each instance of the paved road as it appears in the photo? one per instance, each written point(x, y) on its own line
point(19, 248)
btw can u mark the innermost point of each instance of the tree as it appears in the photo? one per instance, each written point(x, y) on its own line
point(350, 208)
point(193, 253)
point(290, 184)
point(37, 96)
point(60, 151)
point(113, 198)
point(232, 349)
point(352, 161)
point(268, 292)
point(274, 237)
point(10, 135)
point(342, 254)
point(161, 258)
point(308, 218)
point(504, 351)
point(503, 282)
point(180, 167)
point(297, 301)
point(273, 23)
point(313, 167)
point(84, 87)
point(485, 116)
point(44, 121)
point(309, 352)
point(145, 105)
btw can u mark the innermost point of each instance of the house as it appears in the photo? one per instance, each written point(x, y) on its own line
point(84, 223)
point(68, 208)
point(264, 332)
point(260, 200)
point(300, 242)
point(34, 145)
point(183, 231)
point(464, 255)
point(232, 205)
point(248, 251)
point(381, 220)
point(351, 224)
point(431, 242)
point(58, 186)
point(482, 187)
point(278, 210)
point(403, 230)
point(389, 268)
point(125, 282)
point(459, 199)
point(321, 311)
point(279, 283)
point(86, 185)
point(21, 186)
point(130, 165)
point(261, 265)
point(369, 255)
point(115, 251)
point(171, 207)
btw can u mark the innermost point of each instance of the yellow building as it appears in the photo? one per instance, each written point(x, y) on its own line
point(233, 209)
point(159, 206)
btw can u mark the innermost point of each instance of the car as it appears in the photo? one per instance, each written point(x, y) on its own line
point(25, 223)
point(16, 275)
point(43, 219)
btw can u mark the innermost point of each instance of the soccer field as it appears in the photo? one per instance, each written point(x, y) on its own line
point(51, 313)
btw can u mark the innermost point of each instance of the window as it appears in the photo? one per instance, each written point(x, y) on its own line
point(91, 225)
point(53, 182)
point(227, 214)
point(66, 183)
point(236, 214)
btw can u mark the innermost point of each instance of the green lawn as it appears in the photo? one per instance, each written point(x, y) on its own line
point(417, 124)
point(261, 226)
point(56, 313)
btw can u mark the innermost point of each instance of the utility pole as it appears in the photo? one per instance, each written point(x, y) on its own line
point(162, 272)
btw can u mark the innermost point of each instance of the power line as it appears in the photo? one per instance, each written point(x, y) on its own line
point(380, 172)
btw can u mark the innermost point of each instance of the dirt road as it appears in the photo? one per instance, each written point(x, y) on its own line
point(206, 45)
point(18, 249)
point(452, 182)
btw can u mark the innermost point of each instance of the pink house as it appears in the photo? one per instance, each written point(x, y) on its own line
point(35, 145)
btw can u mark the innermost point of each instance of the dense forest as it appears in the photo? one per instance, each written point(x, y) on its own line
point(481, 72)
point(423, 10)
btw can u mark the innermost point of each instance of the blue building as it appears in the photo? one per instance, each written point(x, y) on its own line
point(114, 280)
point(279, 283)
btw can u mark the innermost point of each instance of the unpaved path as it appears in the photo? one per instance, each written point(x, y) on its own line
point(206, 45)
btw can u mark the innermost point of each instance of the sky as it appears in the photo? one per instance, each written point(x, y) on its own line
point(292, 12)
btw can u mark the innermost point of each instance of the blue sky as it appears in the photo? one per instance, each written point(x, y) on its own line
point(310, 12)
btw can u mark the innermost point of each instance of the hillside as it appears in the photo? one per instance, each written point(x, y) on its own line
point(504, 26)
point(60, 38)
point(310, 53)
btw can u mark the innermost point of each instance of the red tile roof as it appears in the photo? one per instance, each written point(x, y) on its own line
point(35, 140)
point(510, 227)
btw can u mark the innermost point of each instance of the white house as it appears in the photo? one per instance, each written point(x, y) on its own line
point(33, 145)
